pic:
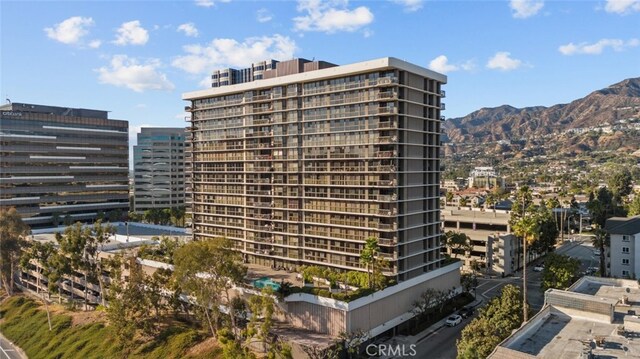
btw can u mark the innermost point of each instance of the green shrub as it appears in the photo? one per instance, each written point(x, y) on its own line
point(26, 325)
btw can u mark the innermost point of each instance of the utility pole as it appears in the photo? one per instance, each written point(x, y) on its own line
point(524, 269)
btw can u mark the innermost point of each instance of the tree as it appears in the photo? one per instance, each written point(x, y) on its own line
point(128, 311)
point(449, 197)
point(426, 303)
point(368, 255)
point(178, 215)
point(207, 270)
point(620, 184)
point(634, 206)
point(601, 240)
point(41, 253)
point(261, 322)
point(559, 271)
point(463, 201)
point(12, 233)
point(468, 281)
point(494, 323)
point(457, 241)
point(603, 205)
point(526, 227)
point(82, 246)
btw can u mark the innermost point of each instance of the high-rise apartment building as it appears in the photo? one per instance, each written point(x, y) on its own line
point(62, 164)
point(158, 165)
point(302, 167)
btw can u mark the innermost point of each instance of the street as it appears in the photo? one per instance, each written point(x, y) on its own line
point(7, 350)
point(442, 343)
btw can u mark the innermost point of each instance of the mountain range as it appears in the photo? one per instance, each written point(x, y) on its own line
point(607, 112)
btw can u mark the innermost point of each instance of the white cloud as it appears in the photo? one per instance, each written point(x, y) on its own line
point(331, 16)
point(208, 3)
point(221, 53)
point(131, 33)
point(127, 72)
point(189, 29)
point(441, 64)
point(622, 6)
point(263, 15)
point(502, 61)
point(70, 31)
point(523, 9)
point(410, 5)
point(94, 44)
point(597, 47)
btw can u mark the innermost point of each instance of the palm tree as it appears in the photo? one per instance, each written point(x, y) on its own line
point(368, 256)
point(449, 197)
point(601, 240)
point(527, 228)
point(463, 201)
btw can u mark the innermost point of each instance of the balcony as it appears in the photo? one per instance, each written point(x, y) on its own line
point(443, 106)
point(387, 242)
point(443, 94)
point(387, 139)
point(387, 110)
point(387, 81)
point(389, 124)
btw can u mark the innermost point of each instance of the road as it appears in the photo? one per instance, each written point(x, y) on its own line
point(442, 343)
point(8, 350)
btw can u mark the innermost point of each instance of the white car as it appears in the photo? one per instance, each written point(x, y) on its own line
point(538, 268)
point(596, 252)
point(454, 320)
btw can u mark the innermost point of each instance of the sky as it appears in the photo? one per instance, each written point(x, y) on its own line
point(136, 58)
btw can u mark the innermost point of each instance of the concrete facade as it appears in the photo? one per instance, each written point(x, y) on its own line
point(62, 163)
point(159, 168)
point(494, 247)
point(375, 313)
point(624, 250)
point(303, 167)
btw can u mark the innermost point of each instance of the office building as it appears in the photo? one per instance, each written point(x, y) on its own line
point(624, 252)
point(62, 164)
point(301, 167)
point(158, 167)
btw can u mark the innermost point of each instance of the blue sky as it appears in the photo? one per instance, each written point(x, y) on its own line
point(135, 59)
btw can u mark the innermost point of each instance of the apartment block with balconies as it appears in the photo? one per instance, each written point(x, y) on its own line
point(300, 168)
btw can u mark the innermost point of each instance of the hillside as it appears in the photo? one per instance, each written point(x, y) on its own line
point(25, 323)
point(612, 106)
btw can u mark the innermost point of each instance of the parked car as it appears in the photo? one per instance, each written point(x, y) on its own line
point(538, 268)
point(454, 320)
point(596, 252)
point(466, 312)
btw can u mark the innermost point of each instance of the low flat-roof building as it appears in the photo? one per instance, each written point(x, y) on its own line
point(594, 318)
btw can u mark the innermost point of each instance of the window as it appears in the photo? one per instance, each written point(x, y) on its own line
point(625, 238)
point(625, 273)
point(625, 262)
point(625, 249)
